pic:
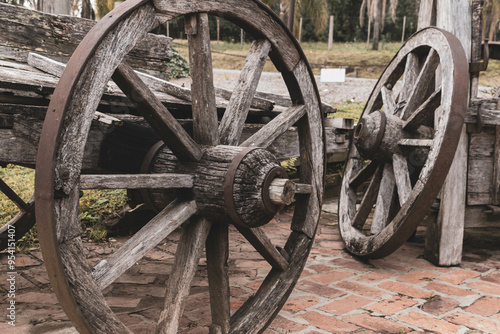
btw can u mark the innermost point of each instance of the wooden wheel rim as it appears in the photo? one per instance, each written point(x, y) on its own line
point(57, 173)
point(453, 102)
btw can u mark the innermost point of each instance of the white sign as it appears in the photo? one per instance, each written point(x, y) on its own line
point(333, 75)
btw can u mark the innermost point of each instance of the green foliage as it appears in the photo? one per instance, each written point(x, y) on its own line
point(95, 205)
point(350, 109)
point(290, 166)
point(104, 7)
point(178, 66)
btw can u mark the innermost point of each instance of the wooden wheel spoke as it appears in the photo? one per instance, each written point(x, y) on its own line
point(169, 129)
point(384, 199)
point(425, 78)
point(272, 130)
point(388, 100)
point(136, 181)
point(217, 250)
point(402, 176)
point(363, 174)
point(259, 240)
point(14, 197)
point(424, 112)
point(369, 199)
point(187, 256)
point(205, 122)
point(236, 113)
point(409, 77)
point(416, 142)
point(170, 218)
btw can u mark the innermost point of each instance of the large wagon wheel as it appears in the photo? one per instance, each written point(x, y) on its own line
point(403, 144)
point(222, 183)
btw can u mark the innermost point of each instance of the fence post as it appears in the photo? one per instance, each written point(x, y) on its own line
point(330, 34)
point(218, 29)
point(368, 39)
point(300, 30)
point(404, 27)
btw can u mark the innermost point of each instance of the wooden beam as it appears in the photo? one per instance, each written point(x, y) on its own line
point(445, 237)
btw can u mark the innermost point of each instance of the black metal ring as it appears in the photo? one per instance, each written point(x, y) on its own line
point(228, 185)
point(276, 172)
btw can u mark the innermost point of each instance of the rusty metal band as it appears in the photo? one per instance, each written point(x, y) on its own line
point(46, 158)
point(229, 182)
point(381, 133)
point(145, 169)
point(276, 172)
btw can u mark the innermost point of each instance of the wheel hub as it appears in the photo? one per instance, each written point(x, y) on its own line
point(231, 183)
point(376, 136)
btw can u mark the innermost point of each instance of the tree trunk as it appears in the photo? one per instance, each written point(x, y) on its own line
point(56, 6)
point(86, 9)
point(291, 15)
point(376, 24)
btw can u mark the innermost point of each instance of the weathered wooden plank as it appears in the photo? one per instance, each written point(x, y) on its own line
point(281, 191)
point(57, 36)
point(205, 127)
point(426, 14)
point(20, 143)
point(232, 122)
point(56, 68)
point(388, 100)
point(301, 188)
point(259, 240)
point(480, 181)
point(285, 101)
point(488, 116)
point(170, 218)
point(444, 238)
point(187, 256)
point(384, 199)
point(424, 79)
point(167, 127)
point(257, 102)
point(402, 176)
point(416, 142)
point(136, 181)
point(272, 130)
point(476, 217)
point(369, 199)
point(410, 75)
point(217, 251)
point(495, 194)
point(424, 112)
point(476, 44)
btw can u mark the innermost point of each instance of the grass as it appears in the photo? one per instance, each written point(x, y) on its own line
point(231, 56)
point(95, 205)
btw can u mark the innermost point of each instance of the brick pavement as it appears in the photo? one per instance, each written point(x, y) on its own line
point(337, 293)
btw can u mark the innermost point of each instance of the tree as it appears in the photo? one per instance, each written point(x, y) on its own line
point(315, 10)
point(376, 10)
point(491, 19)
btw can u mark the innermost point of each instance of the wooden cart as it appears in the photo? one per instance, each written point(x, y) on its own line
point(211, 168)
point(411, 144)
point(201, 161)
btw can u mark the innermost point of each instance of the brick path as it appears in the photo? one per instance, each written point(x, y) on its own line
point(337, 293)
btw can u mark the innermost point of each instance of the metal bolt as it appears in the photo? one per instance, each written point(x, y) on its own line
point(64, 173)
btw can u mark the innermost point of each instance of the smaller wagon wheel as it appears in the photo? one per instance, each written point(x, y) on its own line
point(218, 179)
point(404, 144)
point(22, 222)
